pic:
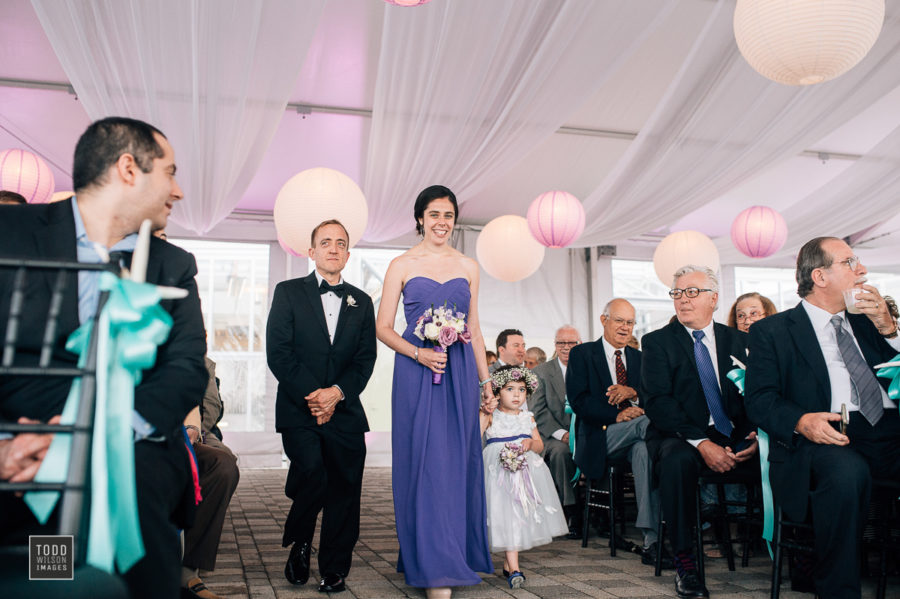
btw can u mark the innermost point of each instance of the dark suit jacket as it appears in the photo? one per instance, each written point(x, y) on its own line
point(587, 379)
point(167, 392)
point(786, 378)
point(548, 402)
point(303, 359)
point(670, 383)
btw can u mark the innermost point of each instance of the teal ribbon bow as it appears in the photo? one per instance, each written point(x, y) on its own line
point(129, 328)
point(577, 476)
point(736, 376)
point(893, 373)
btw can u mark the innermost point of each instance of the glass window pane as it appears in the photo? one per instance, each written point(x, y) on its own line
point(233, 281)
point(636, 281)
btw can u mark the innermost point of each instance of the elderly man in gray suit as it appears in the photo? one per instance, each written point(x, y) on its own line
point(549, 406)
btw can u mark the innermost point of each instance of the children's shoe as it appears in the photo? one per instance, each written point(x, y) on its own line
point(516, 580)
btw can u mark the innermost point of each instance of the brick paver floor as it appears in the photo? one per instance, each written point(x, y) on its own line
point(251, 559)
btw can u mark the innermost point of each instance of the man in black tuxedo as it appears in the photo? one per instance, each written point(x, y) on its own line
point(602, 383)
point(124, 172)
point(548, 404)
point(804, 364)
point(320, 345)
point(697, 416)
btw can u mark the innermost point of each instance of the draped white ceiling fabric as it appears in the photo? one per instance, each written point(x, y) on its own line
point(467, 88)
point(214, 76)
point(719, 124)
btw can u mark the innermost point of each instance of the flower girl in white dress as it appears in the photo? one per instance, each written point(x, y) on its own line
point(522, 504)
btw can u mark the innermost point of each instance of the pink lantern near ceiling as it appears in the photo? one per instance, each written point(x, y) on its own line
point(556, 219)
point(407, 2)
point(27, 174)
point(759, 231)
point(287, 248)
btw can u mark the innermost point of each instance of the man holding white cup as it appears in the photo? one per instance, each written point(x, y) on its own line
point(804, 365)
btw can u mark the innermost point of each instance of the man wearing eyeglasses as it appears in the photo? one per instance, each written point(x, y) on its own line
point(549, 406)
point(804, 365)
point(697, 416)
point(602, 383)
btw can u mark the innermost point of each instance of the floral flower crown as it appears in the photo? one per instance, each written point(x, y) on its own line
point(505, 374)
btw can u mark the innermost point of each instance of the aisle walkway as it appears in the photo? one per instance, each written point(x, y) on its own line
point(251, 559)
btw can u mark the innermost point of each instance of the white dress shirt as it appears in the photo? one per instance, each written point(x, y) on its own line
point(838, 376)
point(610, 353)
point(559, 433)
point(331, 304)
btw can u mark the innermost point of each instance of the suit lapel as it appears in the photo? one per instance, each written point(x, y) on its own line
point(311, 288)
point(342, 313)
point(632, 368)
point(57, 241)
point(801, 331)
point(600, 364)
point(686, 342)
point(723, 356)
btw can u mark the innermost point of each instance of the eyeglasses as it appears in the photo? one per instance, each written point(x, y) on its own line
point(741, 317)
point(620, 321)
point(566, 343)
point(691, 292)
point(852, 262)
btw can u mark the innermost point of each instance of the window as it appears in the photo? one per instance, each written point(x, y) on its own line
point(636, 281)
point(233, 283)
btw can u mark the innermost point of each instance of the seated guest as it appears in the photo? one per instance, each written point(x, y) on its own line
point(510, 349)
point(548, 403)
point(749, 308)
point(123, 174)
point(602, 382)
point(219, 476)
point(491, 357)
point(534, 356)
point(11, 197)
point(697, 415)
point(805, 364)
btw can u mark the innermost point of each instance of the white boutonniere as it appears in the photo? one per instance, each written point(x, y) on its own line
point(351, 302)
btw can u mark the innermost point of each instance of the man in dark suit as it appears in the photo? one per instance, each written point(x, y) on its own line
point(124, 172)
point(548, 404)
point(804, 364)
point(602, 383)
point(697, 416)
point(320, 345)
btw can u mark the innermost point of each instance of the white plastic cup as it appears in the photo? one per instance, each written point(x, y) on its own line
point(850, 299)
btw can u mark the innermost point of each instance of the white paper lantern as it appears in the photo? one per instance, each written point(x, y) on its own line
point(683, 248)
point(316, 195)
point(507, 251)
point(802, 42)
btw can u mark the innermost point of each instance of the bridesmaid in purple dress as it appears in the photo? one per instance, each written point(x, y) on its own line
point(439, 501)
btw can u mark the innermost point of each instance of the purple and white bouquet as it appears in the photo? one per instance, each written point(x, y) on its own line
point(443, 327)
point(512, 456)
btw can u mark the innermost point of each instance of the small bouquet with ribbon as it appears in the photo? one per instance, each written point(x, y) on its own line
point(512, 456)
point(443, 327)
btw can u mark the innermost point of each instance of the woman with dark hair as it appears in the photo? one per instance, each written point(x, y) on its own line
point(749, 308)
point(438, 479)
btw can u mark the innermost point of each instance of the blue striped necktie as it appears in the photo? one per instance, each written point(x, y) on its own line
point(710, 386)
point(866, 393)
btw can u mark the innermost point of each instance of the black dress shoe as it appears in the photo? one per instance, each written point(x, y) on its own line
point(689, 585)
point(574, 534)
point(332, 583)
point(296, 570)
point(648, 556)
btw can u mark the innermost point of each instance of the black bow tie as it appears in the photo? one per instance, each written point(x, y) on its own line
point(325, 287)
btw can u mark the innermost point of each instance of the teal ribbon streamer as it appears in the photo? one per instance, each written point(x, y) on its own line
point(736, 376)
point(893, 373)
point(577, 476)
point(129, 328)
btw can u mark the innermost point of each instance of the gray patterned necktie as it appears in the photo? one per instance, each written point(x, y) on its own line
point(865, 387)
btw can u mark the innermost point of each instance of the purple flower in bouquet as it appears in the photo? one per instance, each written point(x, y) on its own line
point(448, 336)
point(465, 336)
point(512, 456)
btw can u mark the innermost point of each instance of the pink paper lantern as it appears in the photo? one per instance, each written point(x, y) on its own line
point(556, 219)
point(27, 174)
point(759, 231)
point(288, 249)
point(407, 2)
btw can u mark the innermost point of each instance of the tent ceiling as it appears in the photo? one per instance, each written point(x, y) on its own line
point(341, 71)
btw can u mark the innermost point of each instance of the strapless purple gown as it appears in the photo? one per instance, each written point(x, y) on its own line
point(438, 478)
